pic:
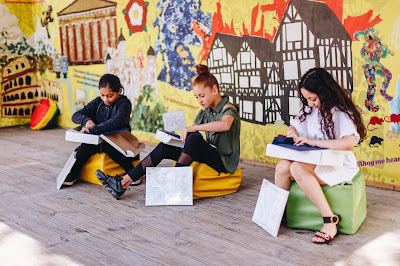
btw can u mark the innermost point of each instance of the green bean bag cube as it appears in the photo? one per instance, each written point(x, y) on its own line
point(347, 200)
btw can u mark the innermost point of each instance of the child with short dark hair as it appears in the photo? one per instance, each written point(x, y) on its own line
point(220, 121)
point(109, 112)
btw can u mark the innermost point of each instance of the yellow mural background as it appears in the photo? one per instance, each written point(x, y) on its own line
point(253, 137)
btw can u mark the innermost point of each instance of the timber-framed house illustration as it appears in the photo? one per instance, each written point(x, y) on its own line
point(221, 60)
point(257, 95)
point(310, 35)
point(263, 77)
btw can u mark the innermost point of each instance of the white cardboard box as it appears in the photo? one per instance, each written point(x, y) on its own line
point(76, 136)
point(317, 157)
point(169, 139)
point(124, 142)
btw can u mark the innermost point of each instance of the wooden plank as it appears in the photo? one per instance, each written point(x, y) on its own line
point(100, 229)
point(37, 218)
point(213, 231)
point(64, 244)
point(382, 185)
point(108, 196)
point(222, 247)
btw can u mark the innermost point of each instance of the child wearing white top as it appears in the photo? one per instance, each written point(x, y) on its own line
point(328, 119)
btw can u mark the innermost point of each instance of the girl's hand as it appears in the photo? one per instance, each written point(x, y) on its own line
point(304, 140)
point(84, 130)
point(90, 124)
point(291, 132)
point(294, 135)
point(185, 132)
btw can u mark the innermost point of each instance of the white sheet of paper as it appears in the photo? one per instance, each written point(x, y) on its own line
point(169, 186)
point(270, 206)
point(66, 170)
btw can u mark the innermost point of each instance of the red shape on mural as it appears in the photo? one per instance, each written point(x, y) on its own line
point(135, 16)
point(394, 118)
point(359, 23)
point(218, 25)
point(375, 121)
point(279, 6)
point(351, 24)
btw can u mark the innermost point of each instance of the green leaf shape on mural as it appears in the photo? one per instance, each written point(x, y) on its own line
point(147, 113)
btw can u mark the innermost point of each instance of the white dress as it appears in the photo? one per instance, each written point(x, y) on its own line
point(343, 126)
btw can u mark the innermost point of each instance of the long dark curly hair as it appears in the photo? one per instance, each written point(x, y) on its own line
point(320, 82)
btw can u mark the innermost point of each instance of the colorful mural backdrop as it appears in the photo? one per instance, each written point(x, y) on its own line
point(258, 50)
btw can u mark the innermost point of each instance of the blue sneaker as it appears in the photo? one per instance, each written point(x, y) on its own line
point(113, 183)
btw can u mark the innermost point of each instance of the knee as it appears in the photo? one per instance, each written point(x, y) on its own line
point(193, 141)
point(193, 137)
point(160, 149)
point(298, 171)
point(282, 170)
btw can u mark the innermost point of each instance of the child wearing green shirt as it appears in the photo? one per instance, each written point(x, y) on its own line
point(220, 121)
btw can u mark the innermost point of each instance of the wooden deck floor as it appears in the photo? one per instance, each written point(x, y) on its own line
point(83, 224)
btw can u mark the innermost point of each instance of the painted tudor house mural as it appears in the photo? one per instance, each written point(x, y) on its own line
point(248, 70)
point(262, 77)
point(257, 49)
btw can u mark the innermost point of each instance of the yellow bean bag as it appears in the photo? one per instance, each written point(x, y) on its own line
point(208, 183)
point(103, 162)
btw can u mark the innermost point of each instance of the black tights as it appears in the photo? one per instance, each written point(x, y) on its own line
point(195, 149)
point(85, 151)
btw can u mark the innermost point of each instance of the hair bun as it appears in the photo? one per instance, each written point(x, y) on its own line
point(202, 69)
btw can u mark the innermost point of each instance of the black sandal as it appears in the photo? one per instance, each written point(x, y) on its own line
point(335, 219)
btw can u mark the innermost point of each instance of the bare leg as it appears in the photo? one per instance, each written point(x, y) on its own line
point(126, 179)
point(282, 174)
point(307, 180)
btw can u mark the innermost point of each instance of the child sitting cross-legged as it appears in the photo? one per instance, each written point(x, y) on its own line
point(109, 112)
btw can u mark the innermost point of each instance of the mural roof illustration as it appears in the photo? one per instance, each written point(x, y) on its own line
point(232, 43)
point(319, 18)
point(79, 6)
point(262, 47)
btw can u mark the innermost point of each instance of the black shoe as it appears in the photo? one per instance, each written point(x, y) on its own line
point(113, 183)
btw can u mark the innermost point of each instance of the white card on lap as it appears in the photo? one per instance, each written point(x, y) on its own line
point(169, 186)
point(270, 206)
